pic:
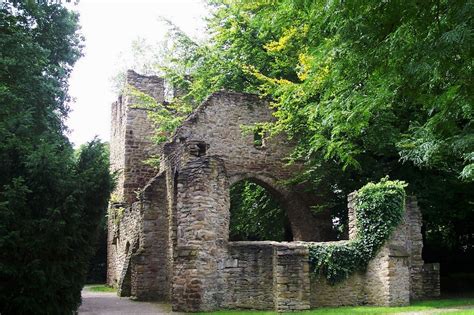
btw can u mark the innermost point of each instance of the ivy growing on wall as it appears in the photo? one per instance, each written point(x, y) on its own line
point(379, 209)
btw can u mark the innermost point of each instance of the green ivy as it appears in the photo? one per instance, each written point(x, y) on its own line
point(379, 209)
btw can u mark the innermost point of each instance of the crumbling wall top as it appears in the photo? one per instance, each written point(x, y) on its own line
point(151, 85)
point(216, 128)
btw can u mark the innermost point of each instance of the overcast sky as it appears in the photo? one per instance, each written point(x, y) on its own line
point(109, 27)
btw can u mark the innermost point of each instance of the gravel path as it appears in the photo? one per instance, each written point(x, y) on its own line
point(99, 303)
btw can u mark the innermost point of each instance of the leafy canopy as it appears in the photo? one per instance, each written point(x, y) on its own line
point(365, 89)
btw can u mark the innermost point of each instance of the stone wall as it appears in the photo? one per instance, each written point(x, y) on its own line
point(123, 233)
point(169, 228)
point(129, 223)
point(393, 277)
point(348, 292)
point(415, 246)
point(117, 144)
point(267, 275)
point(431, 281)
point(151, 261)
point(291, 278)
point(249, 275)
point(210, 273)
point(138, 248)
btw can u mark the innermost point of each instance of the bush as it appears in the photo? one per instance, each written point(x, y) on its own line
point(379, 209)
point(48, 225)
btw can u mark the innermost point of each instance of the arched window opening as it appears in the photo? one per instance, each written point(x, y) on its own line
point(256, 215)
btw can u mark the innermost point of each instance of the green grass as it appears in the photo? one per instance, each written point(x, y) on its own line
point(372, 310)
point(100, 288)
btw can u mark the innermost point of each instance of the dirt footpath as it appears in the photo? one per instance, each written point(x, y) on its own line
point(99, 303)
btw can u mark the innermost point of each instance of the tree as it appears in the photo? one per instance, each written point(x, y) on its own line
point(51, 200)
point(255, 215)
point(365, 88)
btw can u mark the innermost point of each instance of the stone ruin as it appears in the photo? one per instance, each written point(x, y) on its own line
point(168, 228)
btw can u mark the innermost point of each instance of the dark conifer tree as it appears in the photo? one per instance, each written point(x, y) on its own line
point(51, 200)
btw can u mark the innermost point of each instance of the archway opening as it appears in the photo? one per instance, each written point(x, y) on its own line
point(257, 214)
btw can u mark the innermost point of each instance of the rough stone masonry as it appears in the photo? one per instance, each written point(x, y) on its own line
point(168, 236)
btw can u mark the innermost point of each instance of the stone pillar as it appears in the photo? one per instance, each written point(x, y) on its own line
point(388, 275)
point(387, 278)
point(291, 279)
point(150, 279)
point(424, 278)
point(202, 235)
point(415, 246)
point(352, 220)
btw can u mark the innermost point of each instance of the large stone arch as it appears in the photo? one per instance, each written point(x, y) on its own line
point(277, 191)
point(305, 225)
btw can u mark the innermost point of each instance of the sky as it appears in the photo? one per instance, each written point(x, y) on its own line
point(109, 28)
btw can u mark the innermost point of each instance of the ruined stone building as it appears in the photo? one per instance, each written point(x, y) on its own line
point(169, 227)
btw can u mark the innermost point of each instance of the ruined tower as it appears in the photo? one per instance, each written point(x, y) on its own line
point(130, 139)
point(130, 146)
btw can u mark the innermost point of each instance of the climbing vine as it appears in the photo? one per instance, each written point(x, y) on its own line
point(380, 208)
point(166, 116)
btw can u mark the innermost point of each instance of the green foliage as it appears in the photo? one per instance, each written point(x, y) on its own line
point(364, 88)
point(347, 79)
point(379, 209)
point(255, 215)
point(342, 71)
point(49, 221)
point(165, 116)
point(51, 199)
point(116, 213)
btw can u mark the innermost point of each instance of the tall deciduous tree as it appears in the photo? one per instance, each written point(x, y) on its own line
point(51, 200)
point(366, 89)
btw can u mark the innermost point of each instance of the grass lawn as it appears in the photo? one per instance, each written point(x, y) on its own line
point(99, 288)
point(431, 305)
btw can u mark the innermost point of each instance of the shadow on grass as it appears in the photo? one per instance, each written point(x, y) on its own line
point(373, 310)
